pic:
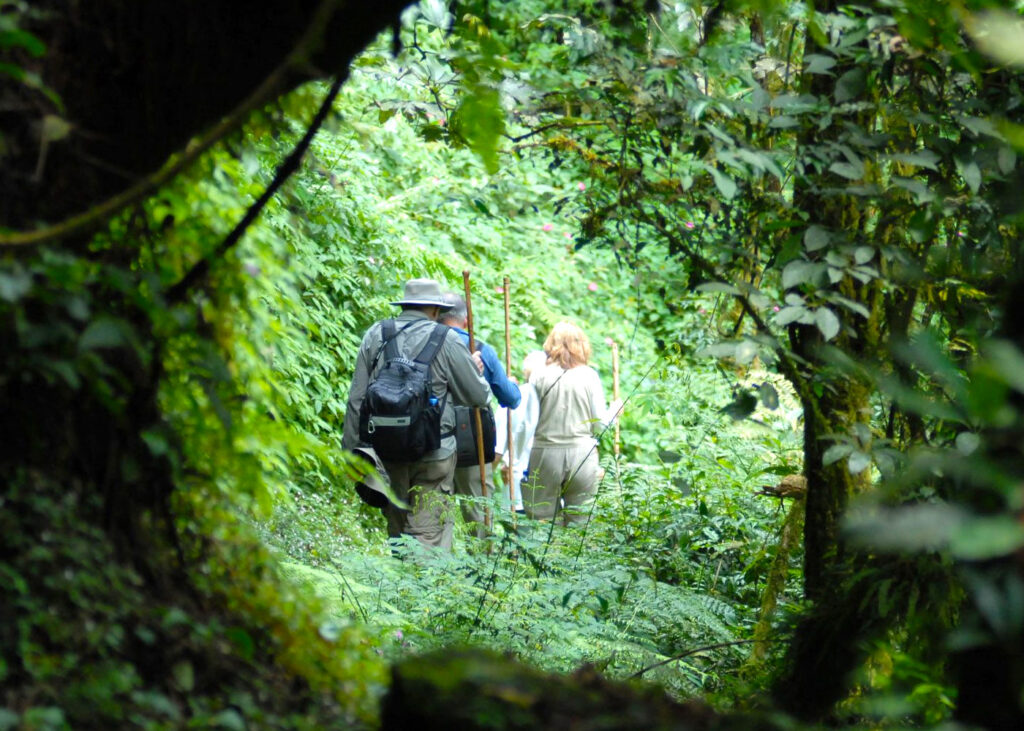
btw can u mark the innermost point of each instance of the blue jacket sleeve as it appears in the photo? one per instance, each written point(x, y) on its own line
point(503, 389)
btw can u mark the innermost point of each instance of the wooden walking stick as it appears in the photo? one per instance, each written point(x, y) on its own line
point(508, 412)
point(615, 392)
point(476, 410)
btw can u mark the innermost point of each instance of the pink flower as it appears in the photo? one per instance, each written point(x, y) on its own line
point(568, 235)
point(499, 290)
point(960, 234)
point(702, 311)
point(435, 181)
point(441, 121)
point(609, 342)
point(547, 227)
point(776, 308)
point(592, 286)
point(690, 225)
point(398, 634)
point(581, 185)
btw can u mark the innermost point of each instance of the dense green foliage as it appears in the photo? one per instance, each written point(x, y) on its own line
point(800, 225)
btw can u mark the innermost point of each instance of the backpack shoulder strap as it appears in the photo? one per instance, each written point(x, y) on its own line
point(387, 332)
point(429, 351)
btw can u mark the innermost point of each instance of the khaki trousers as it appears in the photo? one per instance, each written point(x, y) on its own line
point(427, 488)
point(467, 483)
point(562, 481)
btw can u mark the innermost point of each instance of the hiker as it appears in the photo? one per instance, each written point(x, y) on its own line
point(467, 478)
point(564, 469)
point(524, 424)
point(417, 451)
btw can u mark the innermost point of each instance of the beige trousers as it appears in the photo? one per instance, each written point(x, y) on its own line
point(562, 481)
point(427, 488)
point(467, 483)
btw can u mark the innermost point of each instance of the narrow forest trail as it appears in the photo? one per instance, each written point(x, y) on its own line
point(795, 228)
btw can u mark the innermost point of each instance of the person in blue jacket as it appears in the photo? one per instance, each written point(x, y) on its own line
point(467, 479)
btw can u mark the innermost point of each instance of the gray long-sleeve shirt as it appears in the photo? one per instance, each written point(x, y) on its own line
point(453, 376)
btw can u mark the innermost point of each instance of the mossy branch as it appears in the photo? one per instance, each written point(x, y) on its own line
point(297, 64)
point(291, 163)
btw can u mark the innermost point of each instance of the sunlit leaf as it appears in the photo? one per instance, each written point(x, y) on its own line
point(1000, 34)
point(725, 184)
point(816, 237)
point(858, 462)
point(835, 453)
point(967, 442)
point(827, 322)
point(746, 351)
point(980, 538)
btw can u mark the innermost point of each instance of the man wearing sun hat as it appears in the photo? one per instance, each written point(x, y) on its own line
point(426, 484)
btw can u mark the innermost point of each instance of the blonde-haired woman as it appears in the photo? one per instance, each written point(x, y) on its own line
point(564, 469)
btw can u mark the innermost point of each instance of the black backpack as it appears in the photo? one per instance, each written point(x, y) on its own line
point(465, 436)
point(399, 417)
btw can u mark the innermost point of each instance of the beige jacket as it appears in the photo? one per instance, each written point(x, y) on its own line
point(453, 376)
point(572, 406)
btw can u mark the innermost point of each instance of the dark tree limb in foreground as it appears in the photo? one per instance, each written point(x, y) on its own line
point(137, 81)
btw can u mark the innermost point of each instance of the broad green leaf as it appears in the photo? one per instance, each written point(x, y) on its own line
point(972, 175)
point(229, 719)
point(722, 287)
point(967, 442)
point(1008, 361)
point(746, 351)
point(1006, 159)
point(725, 184)
point(790, 314)
point(15, 283)
point(784, 121)
point(921, 192)
point(1000, 34)
point(479, 121)
point(816, 237)
point(54, 128)
point(9, 720)
point(818, 64)
point(921, 158)
point(850, 85)
point(848, 170)
point(980, 126)
point(981, 538)
point(797, 272)
point(436, 13)
point(858, 462)
point(911, 528)
point(104, 332)
point(835, 453)
point(184, 676)
point(827, 322)
point(718, 350)
point(863, 254)
point(851, 305)
point(17, 38)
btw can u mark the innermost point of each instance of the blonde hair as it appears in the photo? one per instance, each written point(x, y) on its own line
point(567, 345)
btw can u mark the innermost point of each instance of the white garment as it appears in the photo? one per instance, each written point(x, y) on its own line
point(524, 424)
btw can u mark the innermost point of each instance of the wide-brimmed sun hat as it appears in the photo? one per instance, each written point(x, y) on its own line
point(423, 292)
